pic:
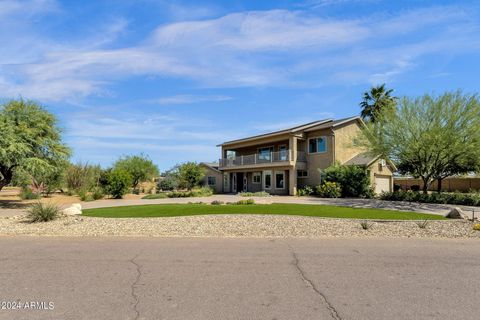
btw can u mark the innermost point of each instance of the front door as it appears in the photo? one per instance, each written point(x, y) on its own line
point(234, 182)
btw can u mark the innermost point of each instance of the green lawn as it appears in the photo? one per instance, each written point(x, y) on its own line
point(173, 210)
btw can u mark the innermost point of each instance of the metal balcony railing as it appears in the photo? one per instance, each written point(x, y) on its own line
point(261, 158)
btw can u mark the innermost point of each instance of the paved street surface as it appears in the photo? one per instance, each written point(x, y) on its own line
point(158, 278)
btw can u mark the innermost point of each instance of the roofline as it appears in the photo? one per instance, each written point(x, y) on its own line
point(209, 166)
point(276, 133)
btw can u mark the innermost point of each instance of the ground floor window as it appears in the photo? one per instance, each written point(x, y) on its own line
point(302, 173)
point(257, 177)
point(267, 179)
point(279, 180)
point(211, 181)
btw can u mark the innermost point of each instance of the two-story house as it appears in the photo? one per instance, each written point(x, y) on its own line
point(281, 162)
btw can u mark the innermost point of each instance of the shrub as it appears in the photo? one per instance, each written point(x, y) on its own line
point(118, 183)
point(245, 201)
point(423, 224)
point(167, 184)
point(43, 212)
point(415, 187)
point(254, 194)
point(27, 194)
point(476, 227)
point(354, 180)
point(366, 225)
point(162, 195)
point(467, 199)
point(202, 192)
point(216, 202)
point(97, 193)
point(329, 190)
point(305, 191)
point(136, 191)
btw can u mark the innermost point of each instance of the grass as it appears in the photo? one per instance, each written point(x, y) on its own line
point(173, 210)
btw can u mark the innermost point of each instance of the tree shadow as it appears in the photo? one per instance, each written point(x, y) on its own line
point(13, 204)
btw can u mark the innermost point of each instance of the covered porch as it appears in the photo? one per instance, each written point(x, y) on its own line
point(277, 181)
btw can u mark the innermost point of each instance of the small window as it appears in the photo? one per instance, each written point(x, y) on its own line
point(302, 173)
point(211, 181)
point(257, 177)
point(279, 180)
point(317, 145)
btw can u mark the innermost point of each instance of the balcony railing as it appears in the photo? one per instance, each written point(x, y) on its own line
point(261, 158)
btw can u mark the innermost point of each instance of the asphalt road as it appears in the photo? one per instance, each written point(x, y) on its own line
point(157, 278)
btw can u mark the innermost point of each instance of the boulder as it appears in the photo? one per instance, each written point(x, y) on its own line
point(456, 213)
point(73, 210)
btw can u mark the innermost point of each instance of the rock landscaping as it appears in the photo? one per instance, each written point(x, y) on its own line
point(236, 226)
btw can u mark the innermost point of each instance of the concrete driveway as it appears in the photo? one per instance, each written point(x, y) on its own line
point(118, 278)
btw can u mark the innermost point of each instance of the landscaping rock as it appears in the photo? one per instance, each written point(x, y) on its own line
point(74, 209)
point(456, 213)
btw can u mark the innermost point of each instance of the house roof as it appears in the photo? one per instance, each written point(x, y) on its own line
point(315, 125)
point(366, 159)
point(214, 166)
point(362, 159)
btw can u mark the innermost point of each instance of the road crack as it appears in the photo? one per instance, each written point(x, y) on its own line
point(134, 295)
point(301, 272)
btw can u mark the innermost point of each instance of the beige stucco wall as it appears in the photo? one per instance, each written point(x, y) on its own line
point(377, 170)
point(209, 172)
point(317, 161)
point(344, 146)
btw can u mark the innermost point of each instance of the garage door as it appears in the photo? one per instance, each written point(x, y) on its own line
point(382, 184)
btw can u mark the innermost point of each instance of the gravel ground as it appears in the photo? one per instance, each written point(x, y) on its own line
point(256, 226)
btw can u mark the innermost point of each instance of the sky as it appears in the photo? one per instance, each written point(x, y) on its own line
point(172, 79)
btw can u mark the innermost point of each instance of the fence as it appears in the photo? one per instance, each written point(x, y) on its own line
point(462, 184)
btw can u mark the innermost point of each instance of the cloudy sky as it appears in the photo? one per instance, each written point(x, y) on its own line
point(174, 78)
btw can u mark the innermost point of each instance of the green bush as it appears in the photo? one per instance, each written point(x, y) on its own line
point(27, 194)
point(167, 184)
point(118, 183)
point(466, 199)
point(245, 201)
point(216, 203)
point(329, 190)
point(43, 212)
point(97, 193)
point(305, 191)
point(254, 194)
point(354, 180)
point(202, 192)
point(162, 195)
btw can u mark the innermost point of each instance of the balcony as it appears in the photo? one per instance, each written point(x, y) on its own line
point(256, 160)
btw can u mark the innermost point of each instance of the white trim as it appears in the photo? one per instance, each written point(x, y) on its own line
point(259, 174)
point(234, 182)
point(318, 152)
point(245, 182)
point(265, 173)
point(283, 173)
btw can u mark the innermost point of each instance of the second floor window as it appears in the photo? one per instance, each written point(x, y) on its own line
point(265, 153)
point(317, 145)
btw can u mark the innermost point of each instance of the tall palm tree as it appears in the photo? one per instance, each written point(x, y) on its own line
point(375, 101)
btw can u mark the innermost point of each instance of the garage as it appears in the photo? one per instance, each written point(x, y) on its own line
point(382, 184)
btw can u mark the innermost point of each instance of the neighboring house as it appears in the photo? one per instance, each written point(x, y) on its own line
point(281, 162)
point(213, 177)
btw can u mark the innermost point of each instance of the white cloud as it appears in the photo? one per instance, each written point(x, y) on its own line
point(260, 48)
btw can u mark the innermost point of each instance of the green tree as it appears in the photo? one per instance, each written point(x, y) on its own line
point(431, 137)
point(30, 139)
point(190, 174)
point(376, 101)
point(118, 181)
point(140, 168)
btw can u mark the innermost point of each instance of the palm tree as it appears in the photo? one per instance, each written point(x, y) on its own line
point(375, 101)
